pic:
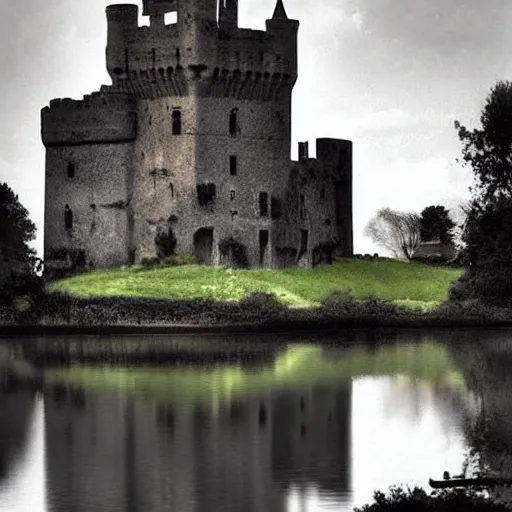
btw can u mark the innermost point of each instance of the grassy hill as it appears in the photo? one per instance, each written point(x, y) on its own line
point(413, 285)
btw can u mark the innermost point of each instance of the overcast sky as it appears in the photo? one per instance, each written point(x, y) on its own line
point(391, 75)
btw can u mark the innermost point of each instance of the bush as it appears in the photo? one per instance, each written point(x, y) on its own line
point(491, 285)
point(150, 262)
point(179, 259)
point(418, 500)
point(339, 303)
point(262, 304)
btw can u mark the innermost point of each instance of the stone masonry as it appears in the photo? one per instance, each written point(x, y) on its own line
point(191, 145)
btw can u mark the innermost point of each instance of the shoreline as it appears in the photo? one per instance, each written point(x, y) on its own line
point(277, 326)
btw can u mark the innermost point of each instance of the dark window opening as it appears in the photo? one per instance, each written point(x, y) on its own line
point(233, 121)
point(327, 222)
point(302, 210)
point(263, 244)
point(178, 56)
point(176, 122)
point(303, 242)
point(263, 204)
point(206, 193)
point(171, 187)
point(232, 165)
point(261, 55)
point(153, 56)
point(232, 195)
point(68, 217)
point(275, 208)
point(71, 170)
point(322, 192)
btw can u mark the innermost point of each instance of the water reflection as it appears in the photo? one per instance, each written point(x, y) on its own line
point(307, 427)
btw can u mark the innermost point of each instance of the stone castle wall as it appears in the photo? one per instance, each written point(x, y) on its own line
point(133, 177)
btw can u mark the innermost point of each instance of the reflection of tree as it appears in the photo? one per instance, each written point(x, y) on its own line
point(487, 365)
point(16, 408)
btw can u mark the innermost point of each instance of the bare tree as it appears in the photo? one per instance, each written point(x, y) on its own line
point(399, 232)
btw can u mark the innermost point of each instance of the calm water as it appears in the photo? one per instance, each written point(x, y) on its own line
point(248, 424)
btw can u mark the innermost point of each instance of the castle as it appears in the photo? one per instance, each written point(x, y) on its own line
point(188, 151)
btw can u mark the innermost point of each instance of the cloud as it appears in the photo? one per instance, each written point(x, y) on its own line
point(394, 119)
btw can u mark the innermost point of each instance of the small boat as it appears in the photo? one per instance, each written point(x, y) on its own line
point(468, 482)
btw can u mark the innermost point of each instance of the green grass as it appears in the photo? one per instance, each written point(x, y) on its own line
point(412, 285)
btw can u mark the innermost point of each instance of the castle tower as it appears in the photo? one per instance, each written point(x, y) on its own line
point(191, 141)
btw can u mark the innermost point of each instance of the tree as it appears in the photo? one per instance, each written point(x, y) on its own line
point(488, 230)
point(436, 224)
point(488, 150)
point(399, 232)
point(18, 261)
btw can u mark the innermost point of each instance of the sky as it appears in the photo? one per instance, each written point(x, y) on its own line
point(390, 75)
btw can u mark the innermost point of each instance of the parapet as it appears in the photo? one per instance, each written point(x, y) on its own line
point(125, 14)
point(99, 117)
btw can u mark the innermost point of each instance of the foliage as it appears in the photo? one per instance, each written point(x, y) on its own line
point(487, 150)
point(436, 224)
point(399, 232)
point(386, 278)
point(235, 251)
point(18, 261)
point(418, 500)
point(165, 241)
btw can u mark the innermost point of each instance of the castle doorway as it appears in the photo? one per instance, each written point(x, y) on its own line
point(203, 245)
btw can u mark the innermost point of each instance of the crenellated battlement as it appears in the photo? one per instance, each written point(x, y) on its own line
point(196, 40)
point(99, 117)
point(106, 97)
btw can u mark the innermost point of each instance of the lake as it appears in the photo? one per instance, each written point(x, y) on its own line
point(314, 422)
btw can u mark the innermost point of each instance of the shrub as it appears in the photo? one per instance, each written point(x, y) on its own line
point(149, 262)
point(237, 250)
point(374, 306)
point(418, 500)
point(339, 303)
point(491, 285)
point(262, 304)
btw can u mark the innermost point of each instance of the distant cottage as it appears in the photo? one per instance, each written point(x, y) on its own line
point(188, 151)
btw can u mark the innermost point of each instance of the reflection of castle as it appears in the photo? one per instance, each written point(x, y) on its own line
point(106, 450)
point(191, 143)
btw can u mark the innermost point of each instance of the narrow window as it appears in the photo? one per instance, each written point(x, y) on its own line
point(178, 56)
point(303, 241)
point(263, 244)
point(232, 165)
point(153, 56)
point(71, 170)
point(171, 187)
point(263, 204)
point(322, 192)
point(68, 217)
point(233, 121)
point(302, 207)
point(232, 195)
point(176, 122)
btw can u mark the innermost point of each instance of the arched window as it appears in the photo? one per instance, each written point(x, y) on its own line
point(233, 121)
point(68, 217)
point(176, 122)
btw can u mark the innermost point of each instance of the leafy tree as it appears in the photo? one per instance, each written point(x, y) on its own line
point(399, 232)
point(488, 150)
point(18, 261)
point(488, 230)
point(436, 224)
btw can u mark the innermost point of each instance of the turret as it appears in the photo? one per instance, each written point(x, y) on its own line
point(284, 32)
point(197, 26)
point(228, 15)
point(120, 19)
